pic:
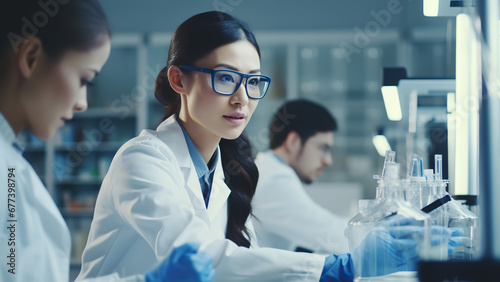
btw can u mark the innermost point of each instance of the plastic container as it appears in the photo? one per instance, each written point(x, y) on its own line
point(365, 206)
point(421, 191)
point(444, 212)
point(460, 219)
point(389, 214)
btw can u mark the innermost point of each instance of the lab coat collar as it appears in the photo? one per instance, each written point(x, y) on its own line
point(171, 134)
point(8, 134)
point(220, 192)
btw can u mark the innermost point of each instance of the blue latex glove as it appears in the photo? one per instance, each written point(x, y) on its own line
point(184, 264)
point(388, 248)
point(337, 268)
point(454, 241)
point(392, 246)
point(453, 235)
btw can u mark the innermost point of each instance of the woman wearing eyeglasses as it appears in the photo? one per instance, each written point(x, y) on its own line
point(193, 178)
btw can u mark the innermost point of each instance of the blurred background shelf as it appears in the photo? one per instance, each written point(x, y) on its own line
point(104, 112)
point(77, 213)
point(101, 147)
point(75, 181)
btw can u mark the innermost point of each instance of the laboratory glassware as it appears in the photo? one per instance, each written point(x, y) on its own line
point(394, 220)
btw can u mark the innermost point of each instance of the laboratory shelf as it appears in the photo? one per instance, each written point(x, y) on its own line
point(77, 212)
point(75, 181)
point(95, 146)
point(34, 149)
point(105, 113)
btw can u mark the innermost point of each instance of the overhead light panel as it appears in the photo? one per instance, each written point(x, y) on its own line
point(431, 8)
point(380, 142)
point(391, 102)
point(447, 8)
point(391, 78)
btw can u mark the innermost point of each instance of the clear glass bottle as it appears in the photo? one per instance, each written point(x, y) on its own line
point(392, 217)
point(444, 211)
point(421, 191)
point(459, 218)
point(413, 184)
point(365, 206)
point(432, 194)
point(463, 220)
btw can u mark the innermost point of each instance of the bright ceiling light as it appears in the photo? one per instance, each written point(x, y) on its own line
point(431, 8)
point(391, 102)
point(381, 144)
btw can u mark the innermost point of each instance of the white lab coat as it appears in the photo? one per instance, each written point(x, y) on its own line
point(38, 234)
point(287, 217)
point(151, 201)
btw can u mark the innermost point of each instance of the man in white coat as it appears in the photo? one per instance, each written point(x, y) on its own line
point(301, 138)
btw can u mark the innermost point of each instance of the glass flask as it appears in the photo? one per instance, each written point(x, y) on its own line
point(433, 203)
point(433, 200)
point(365, 206)
point(444, 211)
point(413, 184)
point(463, 220)
point(422, 192)
point(397, 223)
point(459, 218)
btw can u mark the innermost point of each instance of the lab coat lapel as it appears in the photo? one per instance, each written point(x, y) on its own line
point(170, 132)
point(220, 192)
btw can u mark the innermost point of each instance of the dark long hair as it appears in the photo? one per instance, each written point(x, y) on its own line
point(193, 40)
point(60, 25)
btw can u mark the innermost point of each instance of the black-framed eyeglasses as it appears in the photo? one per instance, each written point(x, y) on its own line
point(227, 82)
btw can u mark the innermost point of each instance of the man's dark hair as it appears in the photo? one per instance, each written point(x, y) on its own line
point(302, 116)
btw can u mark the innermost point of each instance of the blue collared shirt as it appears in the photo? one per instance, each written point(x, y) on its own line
point(8, 134)
point(278, 157)
point(205, 174)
